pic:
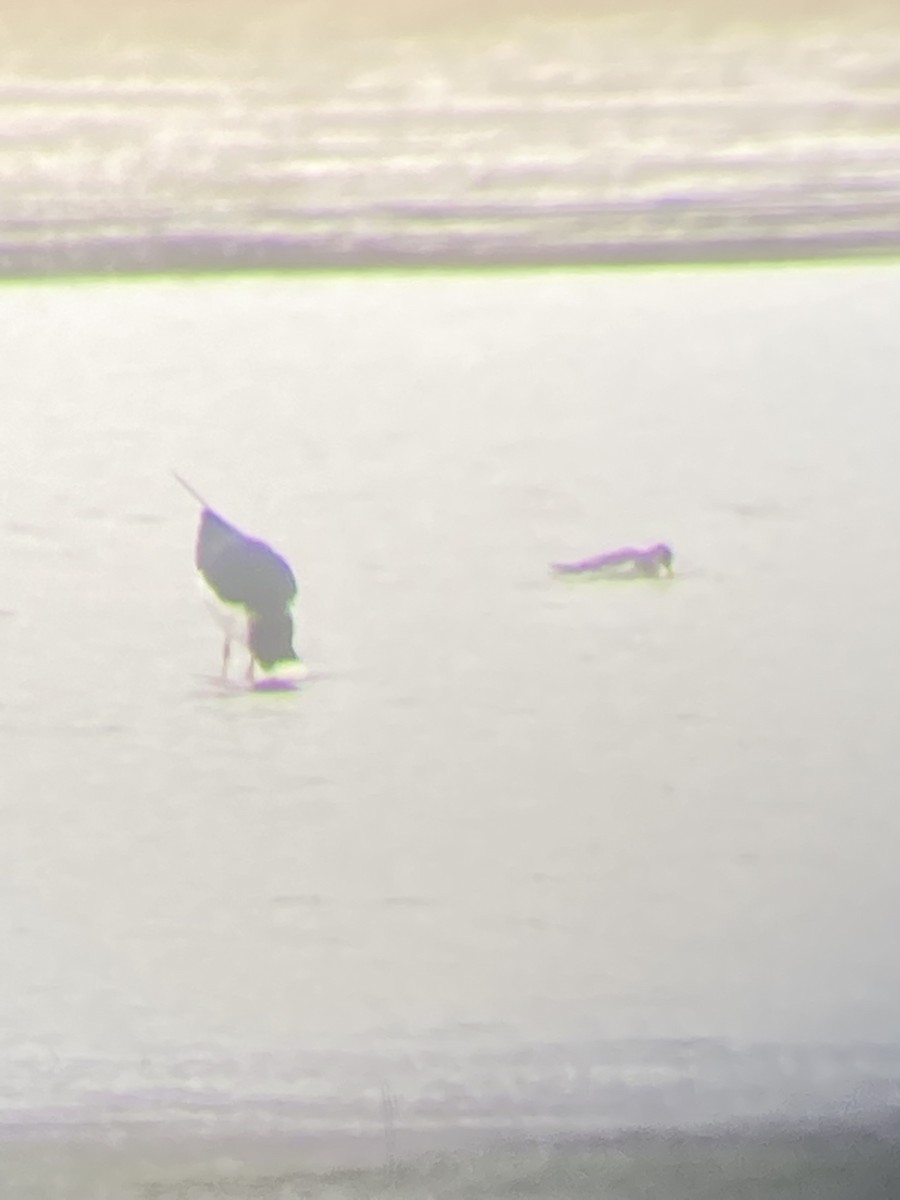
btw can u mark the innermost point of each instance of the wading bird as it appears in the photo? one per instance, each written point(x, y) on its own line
point(250, 590)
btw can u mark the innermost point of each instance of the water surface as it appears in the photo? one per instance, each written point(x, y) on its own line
point(521, 853)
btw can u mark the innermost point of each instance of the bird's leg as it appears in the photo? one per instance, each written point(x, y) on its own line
point(226, 656)
point(251, 663)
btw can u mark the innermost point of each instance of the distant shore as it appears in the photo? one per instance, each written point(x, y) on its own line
point(833, 1161)
point(191, 254)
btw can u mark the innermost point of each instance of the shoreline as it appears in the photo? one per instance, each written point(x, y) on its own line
point(225, 255)
point(146, 1160)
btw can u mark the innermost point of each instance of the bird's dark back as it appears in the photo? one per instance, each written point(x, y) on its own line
point(242, 570)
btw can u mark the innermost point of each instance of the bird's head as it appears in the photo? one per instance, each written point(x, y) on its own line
point(272, 639)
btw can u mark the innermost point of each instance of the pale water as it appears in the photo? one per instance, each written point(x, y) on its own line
point(523, 857)
point(521, 854)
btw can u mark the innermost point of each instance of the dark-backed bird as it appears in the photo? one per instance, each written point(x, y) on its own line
point(251, 589)
point(628, 563)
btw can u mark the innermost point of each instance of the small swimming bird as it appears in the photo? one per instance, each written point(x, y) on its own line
point(628, 562)
point(253, 588)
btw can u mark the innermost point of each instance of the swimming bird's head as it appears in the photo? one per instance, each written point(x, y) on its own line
point(271, 638)
point(662, 556)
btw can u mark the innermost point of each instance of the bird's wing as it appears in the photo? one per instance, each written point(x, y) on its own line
point(240, 569)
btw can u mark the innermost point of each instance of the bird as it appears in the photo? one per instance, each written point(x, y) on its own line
point(250, 587)
point(628, 563)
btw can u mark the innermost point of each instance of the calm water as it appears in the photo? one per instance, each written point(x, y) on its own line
point(520, 854)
